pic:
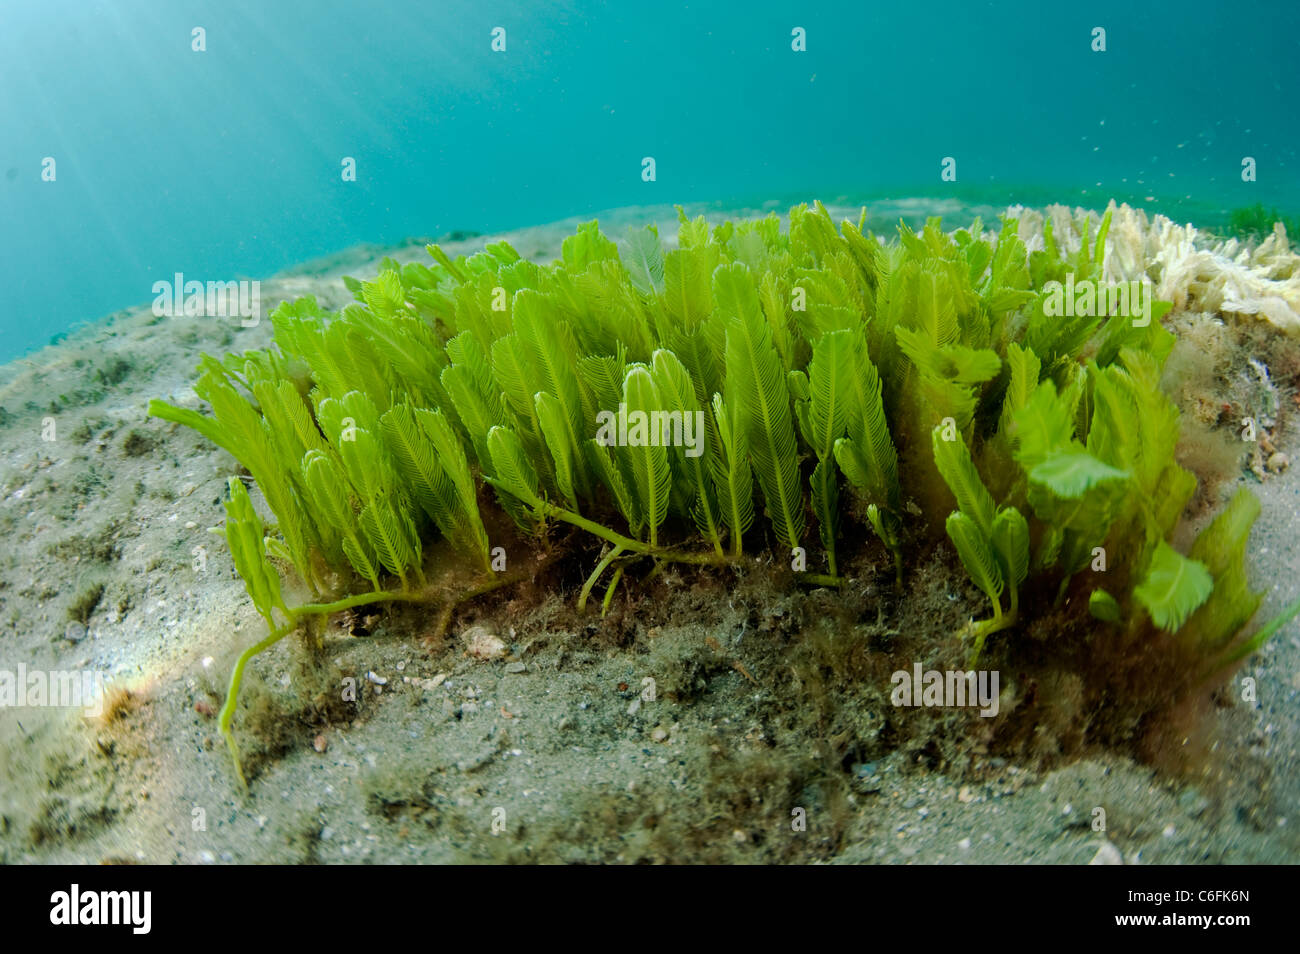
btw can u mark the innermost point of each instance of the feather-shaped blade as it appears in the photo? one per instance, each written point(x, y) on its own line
point(976, 554)
point(756, 391)
point(958, 471)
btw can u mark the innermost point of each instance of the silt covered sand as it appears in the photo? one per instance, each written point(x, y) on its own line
point(524, 735)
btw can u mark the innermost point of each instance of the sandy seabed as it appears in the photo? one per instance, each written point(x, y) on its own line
point(548, 754)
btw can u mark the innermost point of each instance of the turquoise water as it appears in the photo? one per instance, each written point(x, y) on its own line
point(227, 163)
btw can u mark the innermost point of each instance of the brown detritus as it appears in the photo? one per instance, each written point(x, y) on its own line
point(136, 444)
point(1215, 455)
point(118, 702)
point(743, 815)
point(1215, 374)
point(85, 603)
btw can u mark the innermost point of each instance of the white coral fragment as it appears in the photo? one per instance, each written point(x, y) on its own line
point(1195, 271)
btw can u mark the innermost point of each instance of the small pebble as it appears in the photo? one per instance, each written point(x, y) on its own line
point(428, 685)
point(1107, 854)
point(75, 632)
point(964, 844)
point(516, 667)
point(1278, 462)
point(320, 743)
point(482, 644)
point(659, 734)
point(377, 680)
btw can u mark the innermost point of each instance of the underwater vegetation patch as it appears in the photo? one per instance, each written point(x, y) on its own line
point(1254, 221)
point(809, 394)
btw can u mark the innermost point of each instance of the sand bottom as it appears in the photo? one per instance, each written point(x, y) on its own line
point(553, 752)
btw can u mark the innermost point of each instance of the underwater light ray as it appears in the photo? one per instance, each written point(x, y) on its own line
point(65, 148)
point(348, 111)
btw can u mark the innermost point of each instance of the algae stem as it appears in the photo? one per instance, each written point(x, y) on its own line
point(819, 579)
point(609, 593)
point(227, 715)
point(627, 543)
point(595, 575)
point(232, 694)
point(375, 596)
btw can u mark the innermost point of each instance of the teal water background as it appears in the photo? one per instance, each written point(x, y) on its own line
point(226, 163)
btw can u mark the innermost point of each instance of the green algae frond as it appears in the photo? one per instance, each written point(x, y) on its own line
point(922, 389)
